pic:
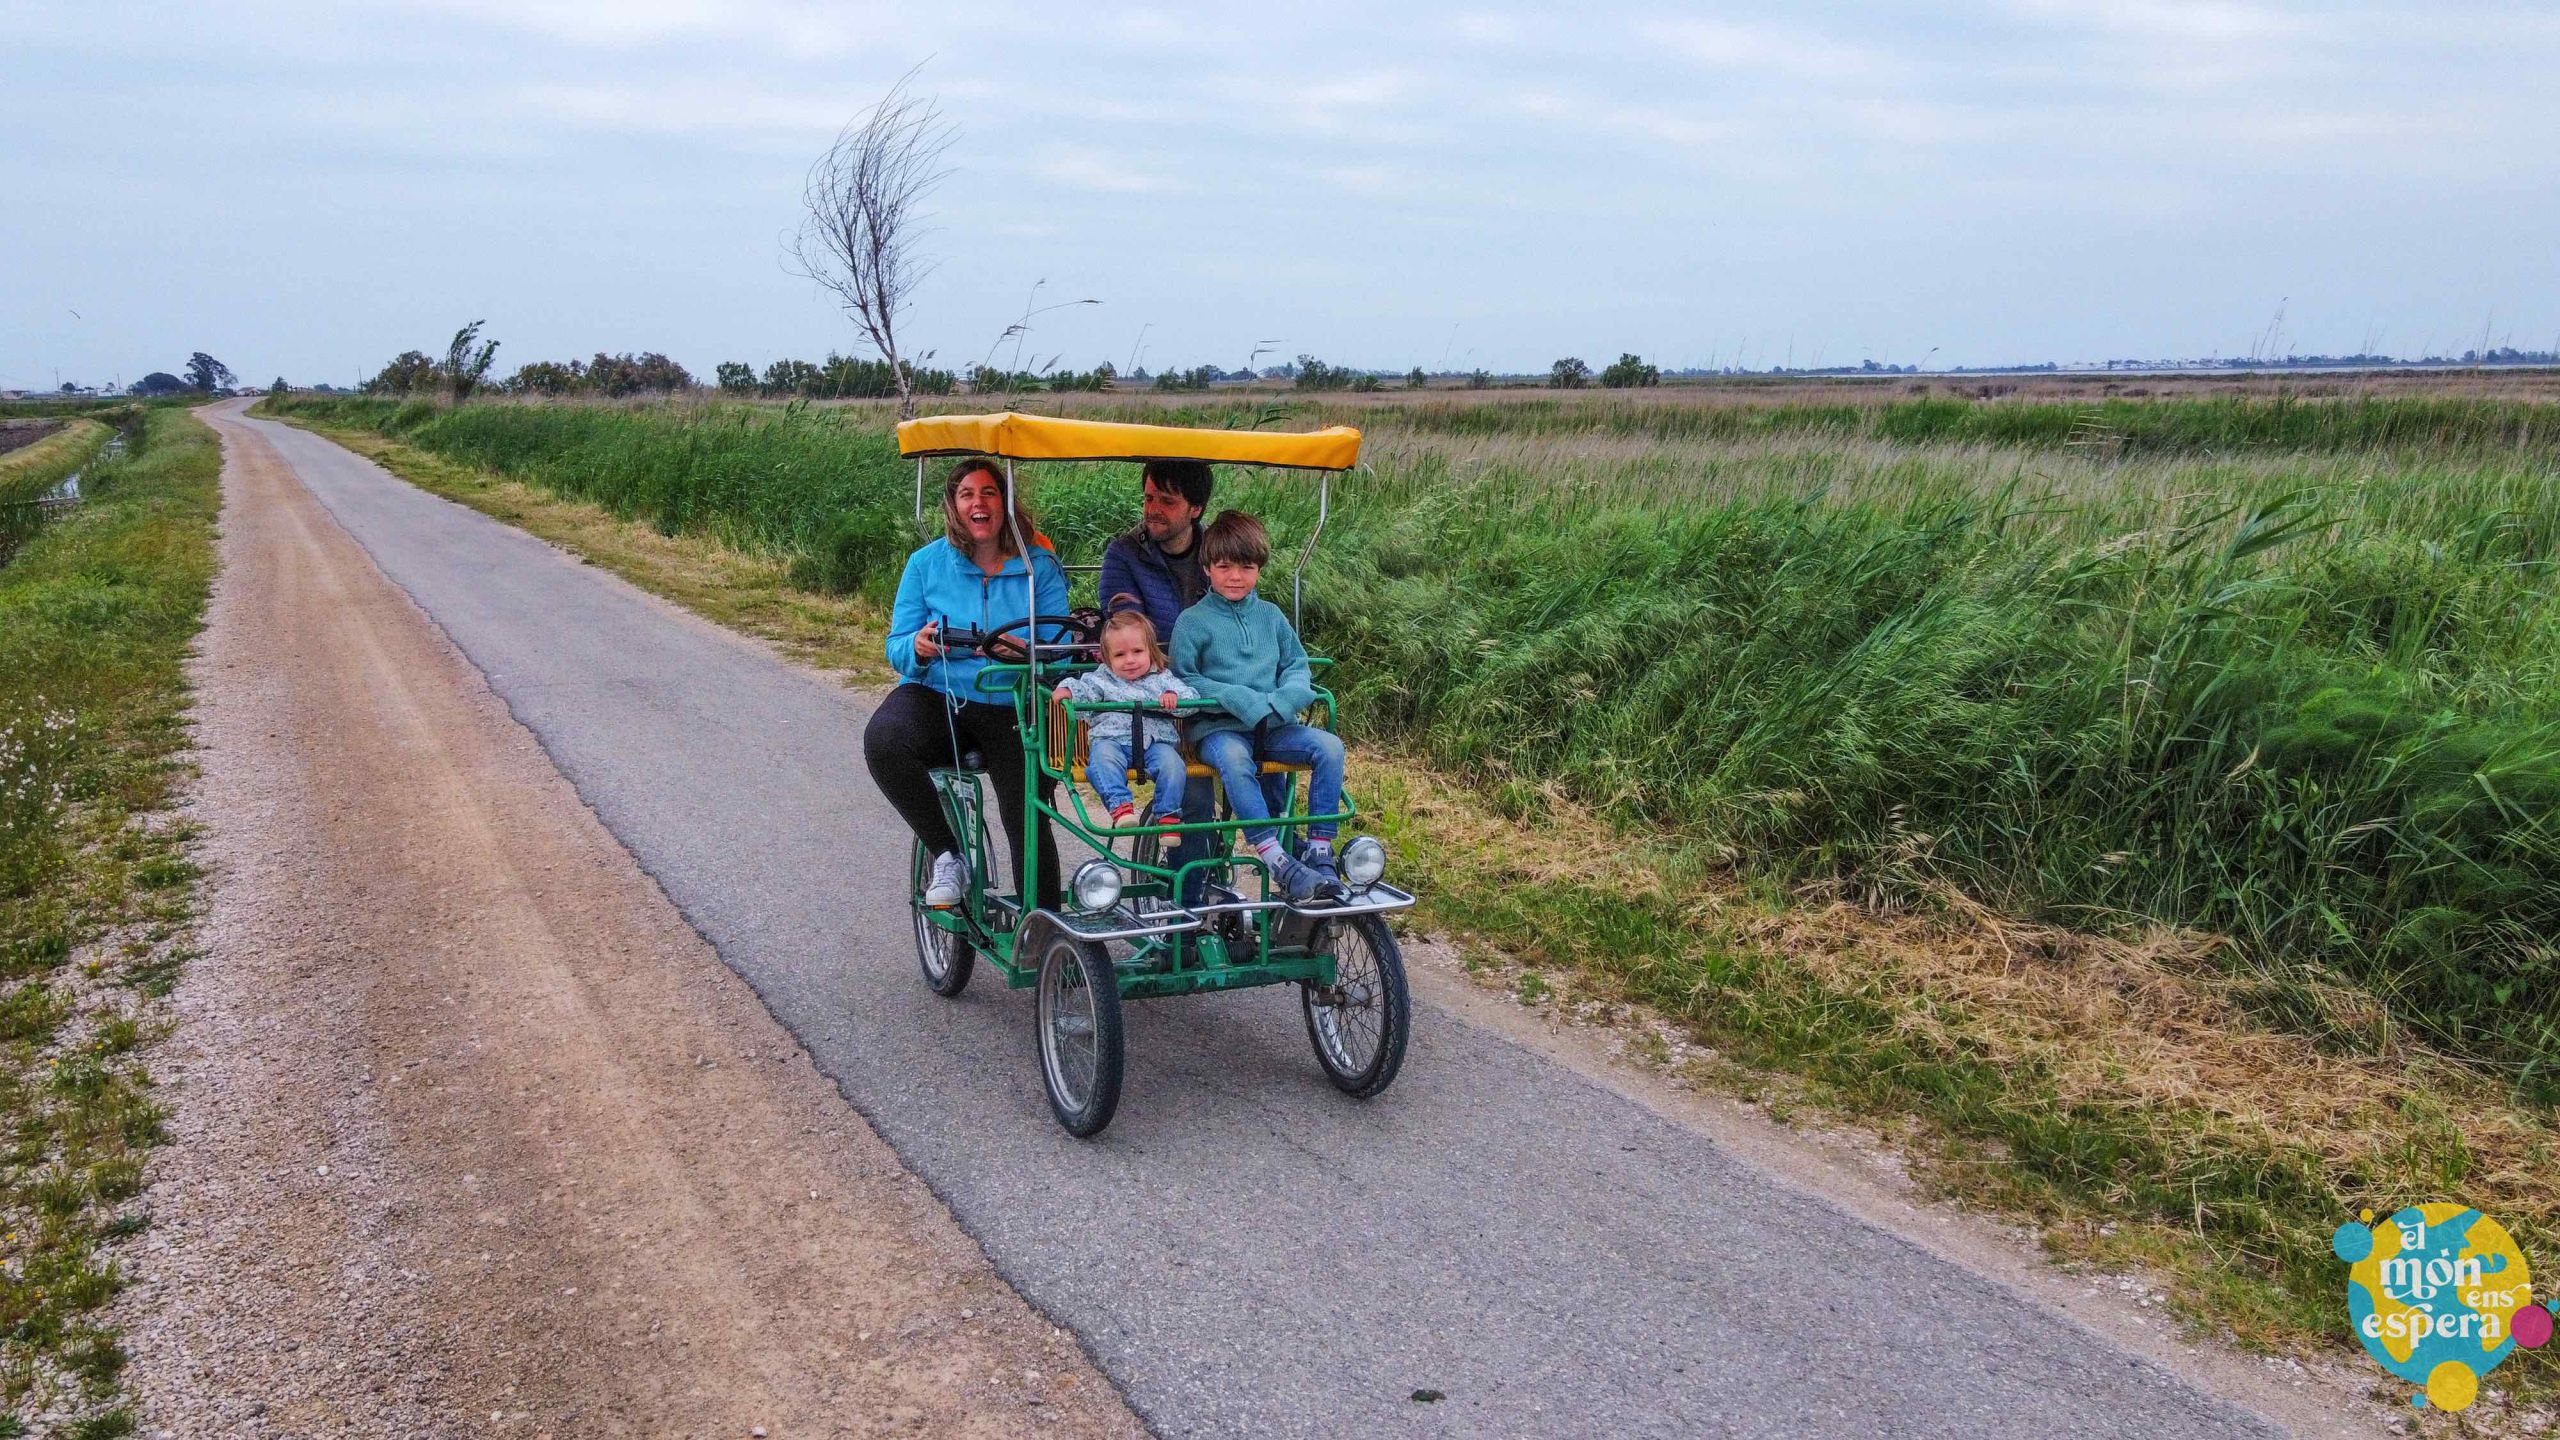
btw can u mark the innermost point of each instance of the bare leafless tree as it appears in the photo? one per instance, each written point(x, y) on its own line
point(859, 236)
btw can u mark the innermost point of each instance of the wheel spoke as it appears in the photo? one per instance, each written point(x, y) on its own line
point(1069, 1030)
point(1350, 1028)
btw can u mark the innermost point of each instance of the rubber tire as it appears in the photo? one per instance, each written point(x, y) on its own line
point(964, 956)
point(1396, 1025)
point(1109, 1054)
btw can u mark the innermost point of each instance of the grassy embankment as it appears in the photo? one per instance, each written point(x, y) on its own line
point(96, 613)
point(30, 470)
point(2144, 808)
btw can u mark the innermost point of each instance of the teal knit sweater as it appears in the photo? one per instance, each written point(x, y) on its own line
point(1245, 655)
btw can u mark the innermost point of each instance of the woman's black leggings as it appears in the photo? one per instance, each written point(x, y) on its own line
point(912, 733)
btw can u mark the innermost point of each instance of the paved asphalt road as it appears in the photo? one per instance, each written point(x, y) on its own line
point(1245, 1251)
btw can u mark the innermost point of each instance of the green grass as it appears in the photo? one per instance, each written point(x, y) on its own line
point(2219, 425)
point(96, 613)
point(2306, 705)
point(2285, 670)
point(31, 470)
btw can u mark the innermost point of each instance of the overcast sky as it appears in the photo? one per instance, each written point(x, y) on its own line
point(307, 189)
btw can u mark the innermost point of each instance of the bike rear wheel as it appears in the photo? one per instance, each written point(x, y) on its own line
point(946, 959)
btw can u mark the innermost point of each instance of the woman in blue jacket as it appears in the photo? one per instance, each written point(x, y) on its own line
point(972, 578)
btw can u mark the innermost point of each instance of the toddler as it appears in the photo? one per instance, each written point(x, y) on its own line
point(1132, 671)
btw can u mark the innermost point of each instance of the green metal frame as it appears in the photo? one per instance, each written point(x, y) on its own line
point(998, 924)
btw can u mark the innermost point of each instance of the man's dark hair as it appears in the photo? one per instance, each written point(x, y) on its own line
point(1191, 477)
point(1237, 538)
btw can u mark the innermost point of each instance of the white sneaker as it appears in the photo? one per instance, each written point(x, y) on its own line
point(949, 883)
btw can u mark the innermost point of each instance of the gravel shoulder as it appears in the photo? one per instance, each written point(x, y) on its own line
point(471, 1132)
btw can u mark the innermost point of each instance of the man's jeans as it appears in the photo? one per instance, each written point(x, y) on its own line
point(1237, 758)
point(1108, 768)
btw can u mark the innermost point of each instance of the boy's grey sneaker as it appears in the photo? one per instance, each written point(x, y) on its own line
point(1302, 882)
point(1319, 858)
point(949, 882)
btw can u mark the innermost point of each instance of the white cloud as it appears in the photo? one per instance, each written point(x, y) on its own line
point(1649, 122)
point(793, 27)
point(1928, 123)
point(1365, 179)
point(690, 108)
point(1493, 31)
point(2179, 47)
point(2212, 22)
point(1372, 91)
point(1769, 49)
point(1376, 105)
point(1094, 170)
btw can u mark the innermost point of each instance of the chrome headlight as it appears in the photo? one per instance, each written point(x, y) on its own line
point(1097, 885)
point(1363, 861)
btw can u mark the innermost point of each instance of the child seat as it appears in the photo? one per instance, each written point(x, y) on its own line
point(1071, 747)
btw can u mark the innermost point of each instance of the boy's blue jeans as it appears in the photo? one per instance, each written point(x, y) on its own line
point(1108, 768)
point(1237, 758)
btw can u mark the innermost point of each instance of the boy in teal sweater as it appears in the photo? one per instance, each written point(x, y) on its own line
point(1240, 650)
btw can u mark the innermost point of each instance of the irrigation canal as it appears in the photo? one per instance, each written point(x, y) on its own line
point(21, 519)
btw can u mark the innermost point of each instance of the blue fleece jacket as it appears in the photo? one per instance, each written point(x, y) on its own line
point(940, 583)
point(1245, 655)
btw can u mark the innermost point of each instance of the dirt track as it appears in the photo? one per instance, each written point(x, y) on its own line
point(473, 1133)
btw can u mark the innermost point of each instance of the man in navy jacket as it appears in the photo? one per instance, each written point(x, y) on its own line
point(1158, 564)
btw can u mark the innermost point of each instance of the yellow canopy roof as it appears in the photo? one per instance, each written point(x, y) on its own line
point(1046, 437)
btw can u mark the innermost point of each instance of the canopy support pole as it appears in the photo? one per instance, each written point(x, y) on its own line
point(1030, 581)
point(919, 489)
point(1034, 824)
point(1298, 577)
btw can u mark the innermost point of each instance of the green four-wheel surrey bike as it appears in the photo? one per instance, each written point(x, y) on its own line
point(1135, 923)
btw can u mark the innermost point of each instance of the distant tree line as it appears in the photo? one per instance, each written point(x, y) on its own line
point(1628, 372)
point(991, 380)
point(841, 377)
point(414, 372)
point(204, 375)
point(1198, 377)
point(464, 371)
point(610, 376)
point(1314, 374)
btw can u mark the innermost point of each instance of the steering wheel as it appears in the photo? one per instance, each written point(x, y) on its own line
point(1004, 646)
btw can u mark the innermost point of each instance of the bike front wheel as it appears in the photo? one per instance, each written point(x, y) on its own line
point(1078, 1018)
